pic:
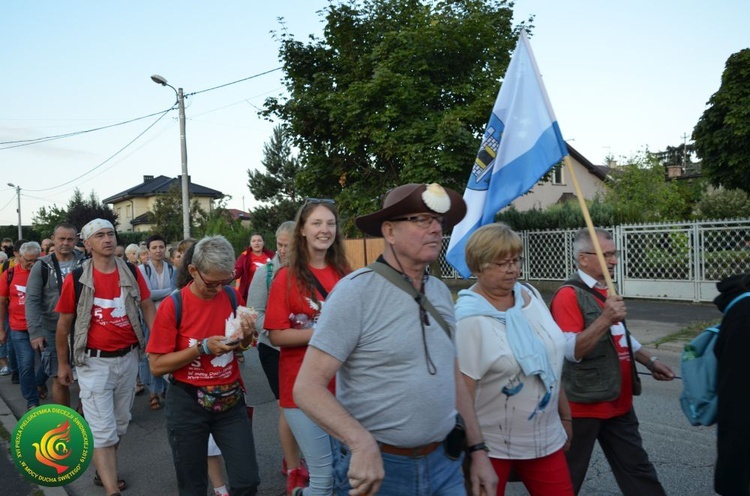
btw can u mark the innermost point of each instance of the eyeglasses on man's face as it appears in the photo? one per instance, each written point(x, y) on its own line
point(607, 254)
point(212, 284)
point(422, 220)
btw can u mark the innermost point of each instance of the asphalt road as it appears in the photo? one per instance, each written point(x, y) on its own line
point(683, 455)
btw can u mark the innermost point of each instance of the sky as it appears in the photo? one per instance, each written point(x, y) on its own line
point(622, 77)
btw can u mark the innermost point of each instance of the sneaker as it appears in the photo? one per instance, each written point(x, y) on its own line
point(5, 371)
point(295, 481)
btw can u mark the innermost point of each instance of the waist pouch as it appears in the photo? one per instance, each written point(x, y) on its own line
point(214, 399)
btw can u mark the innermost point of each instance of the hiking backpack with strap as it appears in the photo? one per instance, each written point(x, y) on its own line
point(177, 299)
point(699, 366)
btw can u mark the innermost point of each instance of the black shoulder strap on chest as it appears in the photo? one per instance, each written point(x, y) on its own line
point(398, 280)
point(177, 299)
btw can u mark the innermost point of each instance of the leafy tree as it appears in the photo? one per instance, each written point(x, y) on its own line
point(641, 186)
point(724, 204)
point(396, 91)
point(277, 183)
point(167, 215)
point(722, 135)
point(45, 219)
point(80, 211)
point(266, 219)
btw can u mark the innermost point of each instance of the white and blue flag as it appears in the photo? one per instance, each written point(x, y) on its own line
point(521, 143)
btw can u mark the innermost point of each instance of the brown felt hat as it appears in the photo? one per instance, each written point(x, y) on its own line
point(412, 199)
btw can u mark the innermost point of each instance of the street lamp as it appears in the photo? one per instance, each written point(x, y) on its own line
point(18, 193)
point(183, 150)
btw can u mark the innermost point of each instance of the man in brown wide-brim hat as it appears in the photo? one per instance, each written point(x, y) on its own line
point(387, 330)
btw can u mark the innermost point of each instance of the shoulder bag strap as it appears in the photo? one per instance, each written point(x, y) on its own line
point(320, 287)
point(397, 280)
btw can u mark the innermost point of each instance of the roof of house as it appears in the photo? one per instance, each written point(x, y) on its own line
point(599, 171)
point(159, 185)
point(238, 214)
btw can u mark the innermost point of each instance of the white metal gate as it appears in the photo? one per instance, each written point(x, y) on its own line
point(677, 261)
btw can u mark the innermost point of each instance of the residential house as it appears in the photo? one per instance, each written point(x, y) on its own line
point(134, 206)
point(559, 188)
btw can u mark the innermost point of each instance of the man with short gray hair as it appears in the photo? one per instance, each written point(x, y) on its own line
point(599, 374)
point(13, 301)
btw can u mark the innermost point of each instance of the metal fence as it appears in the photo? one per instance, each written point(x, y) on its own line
point(678, 261)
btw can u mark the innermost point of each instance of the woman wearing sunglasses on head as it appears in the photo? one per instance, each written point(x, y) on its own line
point(315, 263)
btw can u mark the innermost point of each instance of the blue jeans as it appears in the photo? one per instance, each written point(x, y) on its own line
point(316, 448)
point(24, 354)
point(188, 427)
point(431, 475)
point(155, 385)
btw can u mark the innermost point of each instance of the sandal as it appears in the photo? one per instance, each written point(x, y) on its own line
point(121, 484)
point(154, 403)
point(43, 391)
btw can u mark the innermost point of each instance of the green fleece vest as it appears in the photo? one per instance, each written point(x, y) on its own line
point(597, 376)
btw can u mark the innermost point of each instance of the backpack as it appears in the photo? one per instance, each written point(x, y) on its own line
point(699, 366)
point(170, 270)
point(177, 299)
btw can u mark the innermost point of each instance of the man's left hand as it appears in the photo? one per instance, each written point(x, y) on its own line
point(483, 476)
point(661, 371)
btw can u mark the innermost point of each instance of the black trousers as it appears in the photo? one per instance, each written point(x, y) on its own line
point(188, 427)
point(621, 443)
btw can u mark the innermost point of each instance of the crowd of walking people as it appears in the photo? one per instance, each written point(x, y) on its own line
point(385, 384)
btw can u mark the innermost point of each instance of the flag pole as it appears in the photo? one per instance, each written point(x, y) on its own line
point(590, 226)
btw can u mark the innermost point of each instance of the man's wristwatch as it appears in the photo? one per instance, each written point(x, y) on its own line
point(651, 361)
point(478, 447)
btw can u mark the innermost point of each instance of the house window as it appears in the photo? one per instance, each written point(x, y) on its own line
point(557, 175)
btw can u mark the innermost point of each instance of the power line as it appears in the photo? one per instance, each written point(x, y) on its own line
point(108, 159)
point(34, 141)
point(235, 82)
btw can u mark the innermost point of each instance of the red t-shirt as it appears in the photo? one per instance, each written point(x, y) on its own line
point(110, 328)
point(284, 300)
point(567, 314)
point(246, 265)
point(200, 319)
point(16, 294)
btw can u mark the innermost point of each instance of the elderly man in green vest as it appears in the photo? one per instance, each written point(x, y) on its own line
point(599, 372)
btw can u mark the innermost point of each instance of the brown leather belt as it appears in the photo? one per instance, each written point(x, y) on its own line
point(416, 452)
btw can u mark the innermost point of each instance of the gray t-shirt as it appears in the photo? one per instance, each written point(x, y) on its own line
point(373, 328)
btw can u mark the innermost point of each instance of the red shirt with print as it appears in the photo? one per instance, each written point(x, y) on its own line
point(200, 319)
point(110, 327)
point(15, 291)
point(567, 314)
point(284, 300)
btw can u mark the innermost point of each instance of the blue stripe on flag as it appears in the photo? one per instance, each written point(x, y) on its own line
point(521, 143)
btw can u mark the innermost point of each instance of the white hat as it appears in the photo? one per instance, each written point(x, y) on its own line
point(94, 226)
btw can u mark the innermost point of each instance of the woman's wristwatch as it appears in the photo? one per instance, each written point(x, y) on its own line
point(478, 447)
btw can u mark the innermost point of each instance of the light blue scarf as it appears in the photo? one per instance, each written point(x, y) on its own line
point(528, 351)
